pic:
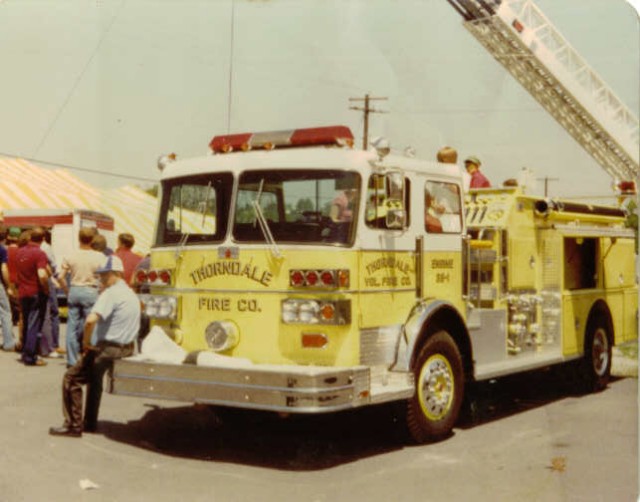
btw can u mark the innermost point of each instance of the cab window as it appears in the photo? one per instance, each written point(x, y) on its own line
point(442, 214)
point(194, 209)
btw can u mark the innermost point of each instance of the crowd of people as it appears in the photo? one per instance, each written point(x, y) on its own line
point(31, 281)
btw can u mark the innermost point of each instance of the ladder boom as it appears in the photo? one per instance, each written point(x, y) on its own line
point(521, 38)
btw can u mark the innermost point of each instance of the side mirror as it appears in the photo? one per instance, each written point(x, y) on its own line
point(396, 214)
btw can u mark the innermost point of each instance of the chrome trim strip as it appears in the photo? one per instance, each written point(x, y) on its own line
point(293, 390)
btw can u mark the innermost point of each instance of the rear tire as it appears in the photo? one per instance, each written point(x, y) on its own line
point(439, 388)
point(596, 362)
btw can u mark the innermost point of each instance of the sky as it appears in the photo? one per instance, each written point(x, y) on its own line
point(110, 85)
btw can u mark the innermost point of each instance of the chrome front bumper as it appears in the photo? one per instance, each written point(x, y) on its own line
point(295, 389)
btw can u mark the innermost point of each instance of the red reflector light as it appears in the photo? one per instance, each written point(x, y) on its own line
point(165, 276)
point(327, 278)
point(296, 278)
point(152, 276)
point(314, 340)
point(312, 277)
point(319, 279)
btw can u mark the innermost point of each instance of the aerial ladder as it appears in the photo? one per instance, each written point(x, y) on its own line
point(521, 38)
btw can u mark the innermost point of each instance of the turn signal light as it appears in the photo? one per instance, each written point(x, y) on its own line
point(314, 340)
point(328, 312)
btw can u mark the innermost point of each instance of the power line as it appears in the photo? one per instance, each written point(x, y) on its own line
point(77, 81)
point(74, 168)
point(366, 111)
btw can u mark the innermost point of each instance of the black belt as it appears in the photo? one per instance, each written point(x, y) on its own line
point(106, 343)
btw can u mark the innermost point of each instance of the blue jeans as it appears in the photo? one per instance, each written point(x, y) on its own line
point(51, 326)
point(80, 302)
point(6, 321)
point(33, 311)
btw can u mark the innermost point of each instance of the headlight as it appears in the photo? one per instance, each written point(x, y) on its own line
point(307, 311)
point(159, 307)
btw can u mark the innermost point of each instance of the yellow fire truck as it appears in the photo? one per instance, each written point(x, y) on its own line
point(297, 274)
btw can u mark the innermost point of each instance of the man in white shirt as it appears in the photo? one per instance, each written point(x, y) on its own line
point(116, 319)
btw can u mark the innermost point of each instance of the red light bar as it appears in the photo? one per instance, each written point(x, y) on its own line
point(332, 135)
point(322, 136)
point(228, 143)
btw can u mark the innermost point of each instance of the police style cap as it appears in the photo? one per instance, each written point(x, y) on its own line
point(473, 160)
point(112, 264)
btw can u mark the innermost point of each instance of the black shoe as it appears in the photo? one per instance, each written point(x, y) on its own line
point(90, 428)
point(65, 431)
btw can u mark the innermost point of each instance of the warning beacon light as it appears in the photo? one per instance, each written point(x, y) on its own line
point(315, 136)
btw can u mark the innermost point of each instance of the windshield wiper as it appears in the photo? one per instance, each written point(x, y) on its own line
point(264, 224)
point(204, 204)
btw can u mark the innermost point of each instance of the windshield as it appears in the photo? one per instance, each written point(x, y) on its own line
point(194, 209)
point(299, 206)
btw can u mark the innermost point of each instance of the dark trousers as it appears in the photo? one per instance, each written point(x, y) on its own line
point(89, 369)
point(33, 312)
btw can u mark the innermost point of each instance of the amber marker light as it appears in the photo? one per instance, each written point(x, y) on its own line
point(328, 312)
point(343, 278)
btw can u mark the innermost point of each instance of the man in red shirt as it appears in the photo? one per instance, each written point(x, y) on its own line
point(129, 259)
point(33, 292)
point(478, 180)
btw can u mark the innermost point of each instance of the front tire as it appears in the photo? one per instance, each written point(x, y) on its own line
point(439, 388)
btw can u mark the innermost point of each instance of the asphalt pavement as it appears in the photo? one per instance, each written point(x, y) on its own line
point(523, 438)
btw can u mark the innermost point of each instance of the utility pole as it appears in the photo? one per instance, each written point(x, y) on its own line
point(546, 180)
point(367, 110)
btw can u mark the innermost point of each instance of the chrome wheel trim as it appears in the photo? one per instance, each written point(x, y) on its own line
point(600, 352)
point(436, 386)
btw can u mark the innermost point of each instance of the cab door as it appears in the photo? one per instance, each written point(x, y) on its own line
point(442, 243)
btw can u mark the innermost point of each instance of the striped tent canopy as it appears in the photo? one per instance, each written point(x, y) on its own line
point(26, 186)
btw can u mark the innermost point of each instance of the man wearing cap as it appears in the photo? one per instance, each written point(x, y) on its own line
point(478, 180)
point(116, 319)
